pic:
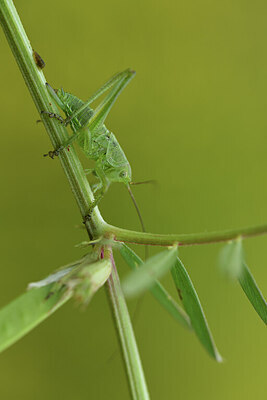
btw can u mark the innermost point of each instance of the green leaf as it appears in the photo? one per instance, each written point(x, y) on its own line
point(253, 293)
point(24, 313)
point(158, 291)
point(193, 308)
point(80, 279)
point(231, 259)
point(144, 278)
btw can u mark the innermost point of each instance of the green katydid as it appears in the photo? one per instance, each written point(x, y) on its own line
point(97, 142)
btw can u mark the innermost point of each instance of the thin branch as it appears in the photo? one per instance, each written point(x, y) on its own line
point(154, 239)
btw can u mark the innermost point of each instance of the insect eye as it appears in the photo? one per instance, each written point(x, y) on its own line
point(123, 174)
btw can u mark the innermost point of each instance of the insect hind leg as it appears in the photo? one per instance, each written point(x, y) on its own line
point(115, 80)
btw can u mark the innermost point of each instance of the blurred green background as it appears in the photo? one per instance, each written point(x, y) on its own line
point(194, 119)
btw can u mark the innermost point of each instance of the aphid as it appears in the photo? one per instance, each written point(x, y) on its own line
point(38, 60)
point(97, 142)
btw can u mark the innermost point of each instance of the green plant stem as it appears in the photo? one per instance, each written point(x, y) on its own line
point(128, 236)
point(35, 81)
point(125, 332)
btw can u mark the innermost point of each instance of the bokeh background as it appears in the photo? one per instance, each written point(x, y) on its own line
point(194, 119)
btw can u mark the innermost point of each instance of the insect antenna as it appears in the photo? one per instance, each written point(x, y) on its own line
point(137, 209)
point(140, 300)
point(139, 216)
point(144, 182)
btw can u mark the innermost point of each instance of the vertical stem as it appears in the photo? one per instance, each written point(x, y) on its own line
point(126, 334)
point(35, 81)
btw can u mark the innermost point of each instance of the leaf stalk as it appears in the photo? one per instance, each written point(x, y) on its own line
point(191, 239)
